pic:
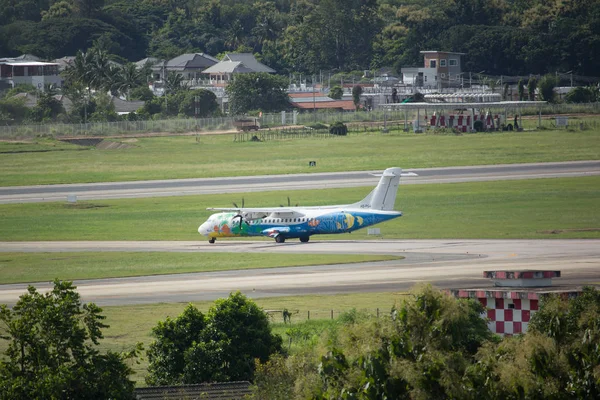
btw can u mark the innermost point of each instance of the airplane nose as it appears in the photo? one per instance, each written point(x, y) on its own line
point(203, 229)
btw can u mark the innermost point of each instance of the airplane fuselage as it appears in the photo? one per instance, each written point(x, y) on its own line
point(313, 222)
point(302, 222)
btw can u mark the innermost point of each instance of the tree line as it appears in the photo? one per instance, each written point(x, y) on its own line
point(509, 37)
point(431, 346)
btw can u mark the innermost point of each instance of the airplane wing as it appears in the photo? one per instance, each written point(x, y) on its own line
point(274, 212)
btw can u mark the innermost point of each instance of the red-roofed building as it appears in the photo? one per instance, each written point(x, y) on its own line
point(318, 101)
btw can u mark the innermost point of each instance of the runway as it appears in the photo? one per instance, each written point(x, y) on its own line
point(445, 263)
point(182, 187)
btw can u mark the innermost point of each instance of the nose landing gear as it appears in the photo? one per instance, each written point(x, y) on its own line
point(212, 240)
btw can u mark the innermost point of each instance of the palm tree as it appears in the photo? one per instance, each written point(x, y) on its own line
point(174, 82)
point(131, 77)
point(79, 71)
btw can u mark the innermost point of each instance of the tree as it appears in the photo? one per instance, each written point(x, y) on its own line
point(582, 94)
point(199, 103)
point(47, 108)
point(218, 347)
point(257, 91)
point(521, 88)
point(13, 109)
point(531, 87)
point(52, 350)
point(336, 93)
point(547, 85)
point(356, 92)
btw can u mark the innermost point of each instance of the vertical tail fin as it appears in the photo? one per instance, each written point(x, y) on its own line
point(383, 196)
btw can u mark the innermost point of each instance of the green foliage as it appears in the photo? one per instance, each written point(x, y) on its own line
point(338, 128)
point(199, 103)
point(141, 93)
point(546, 87)
point(47, 108)
point(531, 87)
point(13, 110)
point(103, 109)
point(423, 351)
point(521, 88)
point(336, 93)
point(257, 91)
point(356, 92)
point(52, 350)
point(582, 94)
point(218, 347)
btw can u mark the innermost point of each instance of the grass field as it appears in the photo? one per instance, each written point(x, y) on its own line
point(218, 155)
point(527, 209)
point(39, 267)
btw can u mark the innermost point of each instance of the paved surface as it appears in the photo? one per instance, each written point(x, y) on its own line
point(181, 187)
point(445, 263)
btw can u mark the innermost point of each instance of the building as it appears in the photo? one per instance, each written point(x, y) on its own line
point(318, 101)
point(189, 65)
point(21, 70)
point(441, 69)
point(515, 297)
point(235, 63)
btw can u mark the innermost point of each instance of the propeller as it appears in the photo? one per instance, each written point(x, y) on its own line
point(289, 203)
point(236, 206)
point(239, 214)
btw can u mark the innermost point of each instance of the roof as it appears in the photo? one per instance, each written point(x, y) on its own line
point(230, 67)
point(437, 51)
point(148, 60)
point(454, 106)
point(28, 63)
point(191, 60)
point(204, 391)
point(64, 62)
point(346, 105)
point(125, 107)
point(249, 61)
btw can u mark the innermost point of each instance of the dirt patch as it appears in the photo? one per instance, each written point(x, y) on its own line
point(558, 231)
point(85, 206)
point(110, 145)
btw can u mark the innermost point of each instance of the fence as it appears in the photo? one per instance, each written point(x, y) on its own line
point(295, 315)
point(190, 125)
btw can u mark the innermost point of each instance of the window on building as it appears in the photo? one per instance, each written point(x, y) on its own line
point(453, 62)
point(432, 63)
point(425, 80)
point(443, 63)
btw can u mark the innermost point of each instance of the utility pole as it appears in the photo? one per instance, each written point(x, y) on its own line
point(165, 87)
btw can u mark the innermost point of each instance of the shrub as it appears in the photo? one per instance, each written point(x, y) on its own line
point(338, 128)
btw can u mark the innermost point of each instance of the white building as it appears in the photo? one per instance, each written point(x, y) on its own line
point(15, 71)
point(440, 69)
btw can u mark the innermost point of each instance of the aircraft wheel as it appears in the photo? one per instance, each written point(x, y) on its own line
point(280, 239)
point(304, 239)
point(212, 240)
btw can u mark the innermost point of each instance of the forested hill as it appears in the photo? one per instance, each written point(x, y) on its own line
point(510, 37)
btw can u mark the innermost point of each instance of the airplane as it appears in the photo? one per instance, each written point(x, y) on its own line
point(281, 223)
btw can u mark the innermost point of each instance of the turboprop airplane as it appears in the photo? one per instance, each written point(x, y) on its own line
point(283, 223)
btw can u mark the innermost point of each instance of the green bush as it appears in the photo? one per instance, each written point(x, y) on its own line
point(338, 128)
point(478, 126)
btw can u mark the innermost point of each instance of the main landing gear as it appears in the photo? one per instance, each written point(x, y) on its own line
point(212, 240)
point(281, 239)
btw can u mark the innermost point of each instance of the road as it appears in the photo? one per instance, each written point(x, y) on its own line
point(181, 187)
point(445, 263)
